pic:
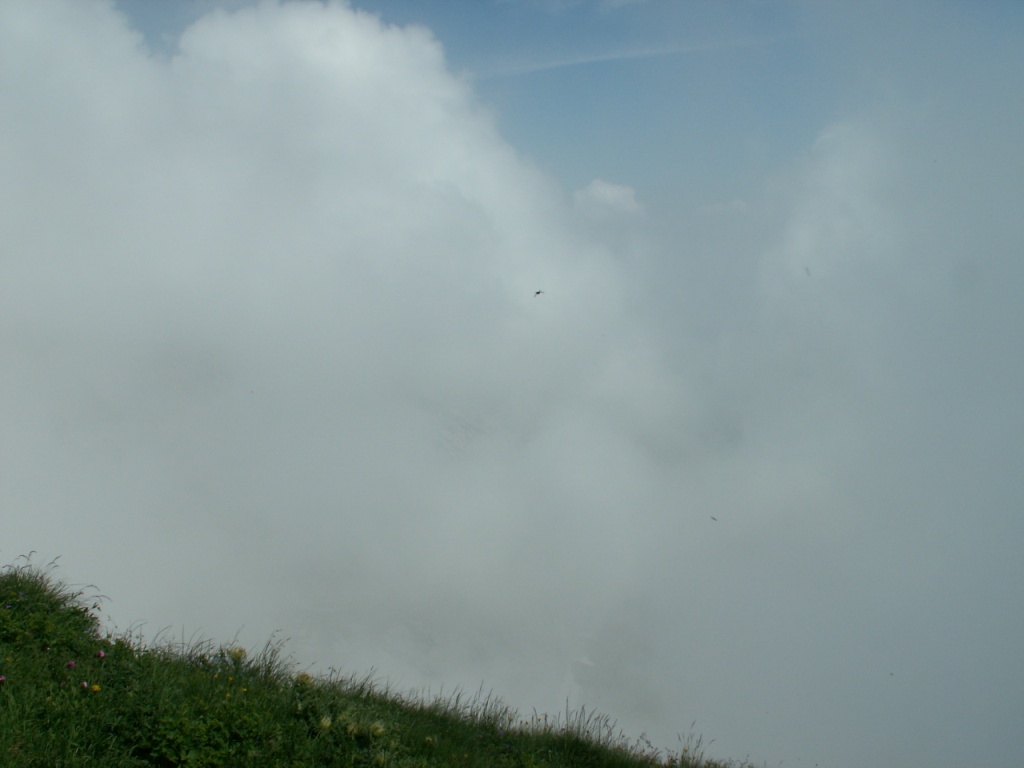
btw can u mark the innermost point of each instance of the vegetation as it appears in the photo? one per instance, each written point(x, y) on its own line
point(72, 696)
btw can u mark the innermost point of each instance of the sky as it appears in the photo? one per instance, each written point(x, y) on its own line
point(273, 360)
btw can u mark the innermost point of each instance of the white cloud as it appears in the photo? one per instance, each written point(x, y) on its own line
point(604, 197)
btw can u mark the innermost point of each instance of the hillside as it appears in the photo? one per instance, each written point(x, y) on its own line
point(71, 695)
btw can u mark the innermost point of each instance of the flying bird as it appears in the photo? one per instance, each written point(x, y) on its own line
point(537, 293)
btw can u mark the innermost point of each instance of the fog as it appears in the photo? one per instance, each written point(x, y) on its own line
point(273, 359)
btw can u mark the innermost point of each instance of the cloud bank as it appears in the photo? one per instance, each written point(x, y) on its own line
point(269, 311)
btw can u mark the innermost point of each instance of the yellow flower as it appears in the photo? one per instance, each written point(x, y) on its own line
point(94, 688)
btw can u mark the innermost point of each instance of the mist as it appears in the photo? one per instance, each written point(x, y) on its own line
point(273, 360)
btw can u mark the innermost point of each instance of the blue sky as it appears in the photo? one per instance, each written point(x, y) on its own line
point(679, 98)
point(273, 357)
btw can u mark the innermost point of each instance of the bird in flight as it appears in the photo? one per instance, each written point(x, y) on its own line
point(537, 293)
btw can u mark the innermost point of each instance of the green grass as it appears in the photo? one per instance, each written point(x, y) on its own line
point(71, 695)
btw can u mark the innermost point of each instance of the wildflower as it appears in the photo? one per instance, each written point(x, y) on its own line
point(237, 655)
point(84, 685)
point(326, 722)
point(3, 679)
point(94, 688)
point(71, 664)
point(377, 730)
point(100, 654)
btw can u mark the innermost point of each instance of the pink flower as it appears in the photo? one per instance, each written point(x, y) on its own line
point(100, 654)
point(71, 664)
point(3, 679)
point(84, 685)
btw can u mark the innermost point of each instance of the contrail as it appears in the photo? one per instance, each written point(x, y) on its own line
point(513, 69)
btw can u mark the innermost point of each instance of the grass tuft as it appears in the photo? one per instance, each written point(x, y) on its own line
point(72, 696)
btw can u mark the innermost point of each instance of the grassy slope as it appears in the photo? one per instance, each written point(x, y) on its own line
point(72, 696)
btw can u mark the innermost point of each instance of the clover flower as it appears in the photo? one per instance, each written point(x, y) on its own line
point(71, 664)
